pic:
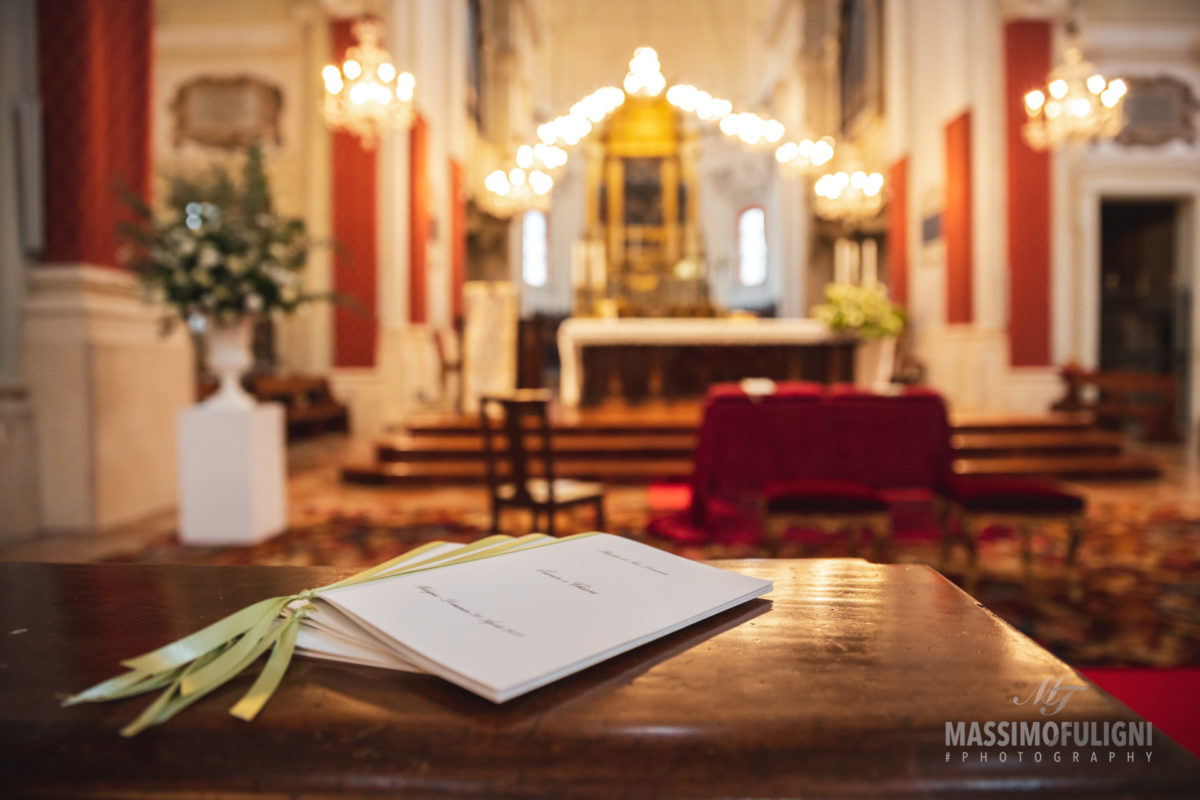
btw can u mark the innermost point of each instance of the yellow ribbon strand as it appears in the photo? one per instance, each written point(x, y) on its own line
point(120, 686)
point(385, 566)
point(231, 661)
point(194, 645)
point(150, 716)
point(178, 703)
point(268, 680)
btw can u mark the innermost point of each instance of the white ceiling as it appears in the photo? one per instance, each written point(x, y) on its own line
point(707, 43)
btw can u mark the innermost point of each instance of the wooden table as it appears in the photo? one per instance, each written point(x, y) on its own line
point(839, 684)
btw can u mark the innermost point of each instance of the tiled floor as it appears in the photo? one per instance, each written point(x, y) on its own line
point(316, 492)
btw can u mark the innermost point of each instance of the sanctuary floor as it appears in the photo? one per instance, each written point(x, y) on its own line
point(316, 493)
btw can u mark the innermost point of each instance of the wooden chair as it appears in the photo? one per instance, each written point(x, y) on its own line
point(450, 363)
point(528, 479)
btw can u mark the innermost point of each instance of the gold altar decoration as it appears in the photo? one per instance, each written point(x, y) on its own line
point(644, 81)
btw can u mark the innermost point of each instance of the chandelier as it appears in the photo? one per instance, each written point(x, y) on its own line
point(686, 97)
point(366, 96)
point(803, 157)
point(850, 195)
point(527, 184)
point(645, 77)
point(752, 129)
point(1077, 105)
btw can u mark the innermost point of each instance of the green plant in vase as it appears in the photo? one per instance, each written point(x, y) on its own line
point(218, 250)
point(865, 311)
point(868, 313)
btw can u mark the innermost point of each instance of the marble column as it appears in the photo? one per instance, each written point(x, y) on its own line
point(104, 384)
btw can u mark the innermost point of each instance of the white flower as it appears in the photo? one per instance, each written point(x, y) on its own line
point(210, 256)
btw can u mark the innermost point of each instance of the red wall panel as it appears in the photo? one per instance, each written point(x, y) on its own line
point(94, 68)
point(956, 219)
point(897, 233)
point(418, 229)
point(458, 239)
point(1027, 54)
point(355, 254)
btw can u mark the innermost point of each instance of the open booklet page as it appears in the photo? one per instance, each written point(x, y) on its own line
point(504, 625)
point(334, 636)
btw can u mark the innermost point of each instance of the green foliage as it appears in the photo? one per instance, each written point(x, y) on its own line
point(217, 247)
point(865, 311)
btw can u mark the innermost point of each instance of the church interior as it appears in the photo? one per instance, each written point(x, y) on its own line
point(314, 282)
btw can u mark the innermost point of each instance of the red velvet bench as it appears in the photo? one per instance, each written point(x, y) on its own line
point(829, 459)
point(872, 445)
point(977, 503)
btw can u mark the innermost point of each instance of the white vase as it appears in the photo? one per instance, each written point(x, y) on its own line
point(229, 357)
point(874, 361)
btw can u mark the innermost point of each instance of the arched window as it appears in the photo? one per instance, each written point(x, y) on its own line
point(752, 247)
point(535, 269)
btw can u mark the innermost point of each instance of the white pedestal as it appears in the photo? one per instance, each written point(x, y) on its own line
point(231, 470)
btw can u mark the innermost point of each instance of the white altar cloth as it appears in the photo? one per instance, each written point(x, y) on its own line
point(578, 332)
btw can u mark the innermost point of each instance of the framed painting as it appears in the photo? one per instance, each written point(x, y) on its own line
point(230, 112)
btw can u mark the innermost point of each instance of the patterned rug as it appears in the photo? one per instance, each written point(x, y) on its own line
point(1134, 598)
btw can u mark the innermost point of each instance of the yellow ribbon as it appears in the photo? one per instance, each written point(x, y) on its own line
point(203, 661)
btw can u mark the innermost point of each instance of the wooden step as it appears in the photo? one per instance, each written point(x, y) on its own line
point(1068, 467)
point(688, 421)
point(644, 445)
point(1051, 442)
point(459, 448)
point(997, 422)
point(470, 427)
point(468, 472)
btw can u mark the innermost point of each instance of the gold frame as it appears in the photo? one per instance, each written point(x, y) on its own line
point(1179, 101)
point(249, 109)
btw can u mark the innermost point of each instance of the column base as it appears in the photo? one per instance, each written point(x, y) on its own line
point(18, 467)
point(104, 386)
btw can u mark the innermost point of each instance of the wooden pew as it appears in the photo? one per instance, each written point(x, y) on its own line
point(1119, 397)
point(309, 405)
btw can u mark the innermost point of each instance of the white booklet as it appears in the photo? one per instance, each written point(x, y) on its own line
point(503, 617)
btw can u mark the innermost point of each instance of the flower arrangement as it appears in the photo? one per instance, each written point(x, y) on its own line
point(864, 310)
point(218, 249)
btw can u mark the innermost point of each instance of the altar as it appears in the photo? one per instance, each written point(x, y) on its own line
point(681, 356)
